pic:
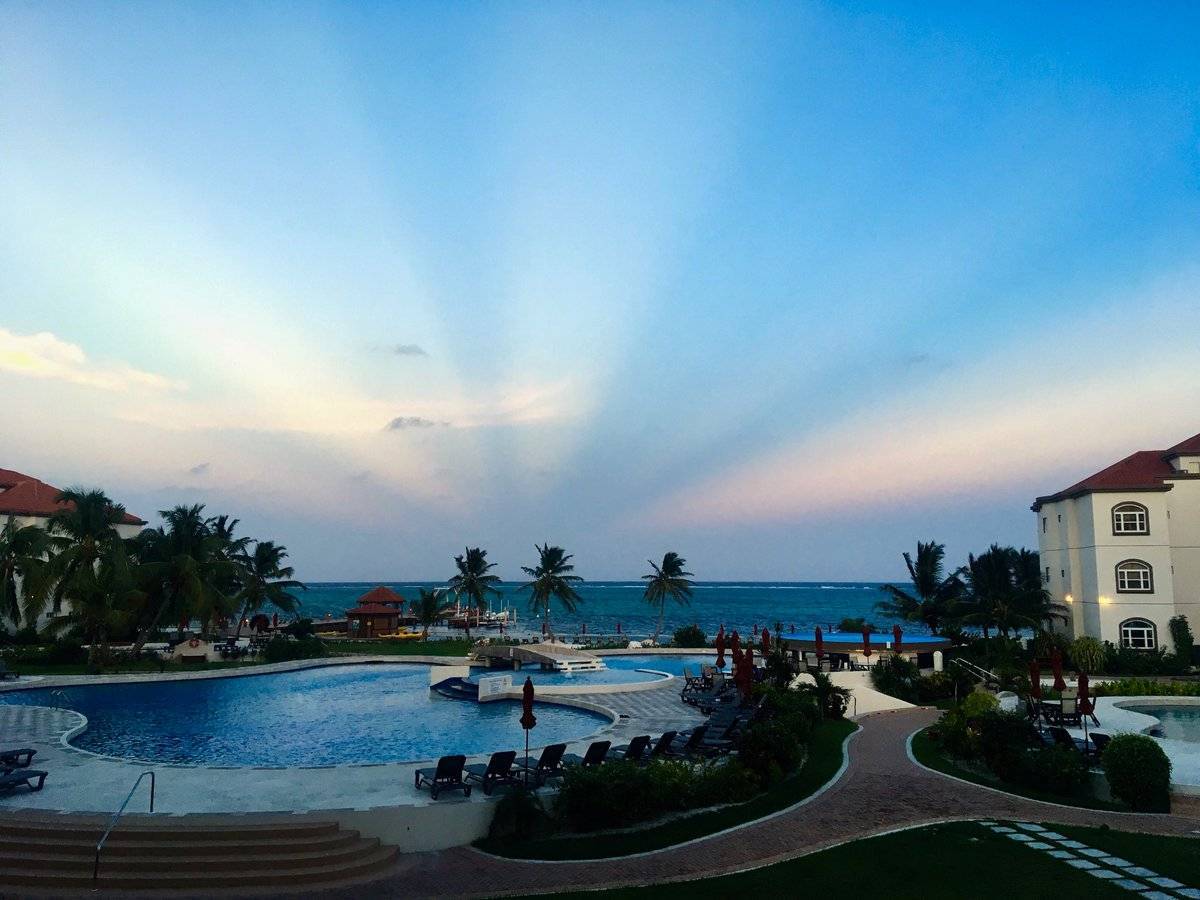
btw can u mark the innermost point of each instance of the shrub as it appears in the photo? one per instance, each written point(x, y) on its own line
point(1088, 654)
point(794, 710)
point(771, 751)
point(690, 636)
point(1181, 637)
point(1138, 772)
point(856, 625)
point(1003, 740)
point(280, 649)
point(978, 703)
point(519, 815)
point(828, 699)
point(896, 677)
point(956, 738)
point(1146, 687)
point(301, 628)
point(1057, 770)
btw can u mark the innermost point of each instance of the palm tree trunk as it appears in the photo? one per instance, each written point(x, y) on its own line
point(242, 618)
point(152, 627)
point(661, 612)
point(549, 627)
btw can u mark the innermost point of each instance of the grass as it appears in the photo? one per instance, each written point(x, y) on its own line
point(937, 862)
point(928, 753)
point(824, 760)
point(1174, 857)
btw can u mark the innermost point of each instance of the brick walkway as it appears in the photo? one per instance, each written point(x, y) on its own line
point(882, 789)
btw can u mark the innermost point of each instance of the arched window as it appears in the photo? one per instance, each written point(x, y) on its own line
point(1135, 577)
point(1139, 634)
point(1130, 518)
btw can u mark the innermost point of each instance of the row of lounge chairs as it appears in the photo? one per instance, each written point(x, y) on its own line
point(1092, 747)
point(15, 770)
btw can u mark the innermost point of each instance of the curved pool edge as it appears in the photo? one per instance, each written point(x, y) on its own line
point(1119, 715)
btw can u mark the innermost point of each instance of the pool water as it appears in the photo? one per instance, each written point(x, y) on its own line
point(1179, 722)
point(326, 716)
point(621, 670)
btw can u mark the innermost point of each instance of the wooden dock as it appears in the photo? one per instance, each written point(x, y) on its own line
point(556, 657)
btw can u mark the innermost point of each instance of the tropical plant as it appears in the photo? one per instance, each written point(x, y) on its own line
point(264, 579)
point(81, 531)
point(1138, 772)
point(856, 624)
point(101, 598)
point(828, 698)
point(1088, 654)
point(668, 581)
point(552, 579)
point(473, 582)
point(690, 636)
point(1182, 638)
point(933, 594)
point(1004, 591)
point(430, 608)
point(185, 569)
point(23, 551)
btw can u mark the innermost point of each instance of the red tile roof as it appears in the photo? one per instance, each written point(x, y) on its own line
point(380, 595)
point(1145, 470)
point(23, 495)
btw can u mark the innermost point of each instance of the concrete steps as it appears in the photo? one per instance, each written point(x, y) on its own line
point(60, 856)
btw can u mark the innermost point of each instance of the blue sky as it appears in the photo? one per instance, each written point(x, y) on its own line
point(781, 287)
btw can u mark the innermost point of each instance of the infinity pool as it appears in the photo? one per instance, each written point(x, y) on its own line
point(621, 670)
point(1179, 722)
point(327, 716)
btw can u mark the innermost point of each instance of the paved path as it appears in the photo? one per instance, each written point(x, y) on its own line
point(882, 789)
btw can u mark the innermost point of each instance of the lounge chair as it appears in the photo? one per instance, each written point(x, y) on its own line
point(447, 775)
point(6, 673)
point(11, 780)
point(1099, 741)
point(593, 757)
point(635, 749)
point(16, 759)
point(662, 745)
point(1062, 738)
point(548, 765)
point(497, 770)
point(698, 743)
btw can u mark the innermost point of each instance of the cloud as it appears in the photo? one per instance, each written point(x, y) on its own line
point(401, 423)
point(200, 469)
point(401, 349)
point(46, 356)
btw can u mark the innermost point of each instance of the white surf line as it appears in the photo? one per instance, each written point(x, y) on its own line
point(837, 776)
point(1098, 863)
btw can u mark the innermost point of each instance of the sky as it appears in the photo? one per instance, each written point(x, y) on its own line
point(781, 287)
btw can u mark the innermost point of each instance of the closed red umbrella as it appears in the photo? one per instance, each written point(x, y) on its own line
point(184, 622)
point(1086, 706)
point(866, 641)
point(897, 638)
point(766, 642)
point(1056, 666)
point(736, 642)
point(721, 647)
point(736, 654)
point(1035, 680)
point(274, 620)
point(746, 672)
point(528, 720)
point(819, 640)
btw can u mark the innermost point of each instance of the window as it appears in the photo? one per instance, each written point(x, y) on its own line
point(1043, 524)
point(1135, 577)
point(1138, 634)
point(1046, 577)
point(1130, 518)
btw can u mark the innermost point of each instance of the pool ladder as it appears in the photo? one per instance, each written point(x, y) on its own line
point(117, 815)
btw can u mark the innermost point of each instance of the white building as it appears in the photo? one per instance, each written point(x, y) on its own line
point(1121, 549)
point(25, 500)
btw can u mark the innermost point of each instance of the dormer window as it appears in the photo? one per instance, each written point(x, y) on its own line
point(1135, 577)
point(1130, 518)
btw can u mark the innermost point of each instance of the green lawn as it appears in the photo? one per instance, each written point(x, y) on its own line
point(825, 758)
point(1174, 857)
point(938, 862)
point(927, 752)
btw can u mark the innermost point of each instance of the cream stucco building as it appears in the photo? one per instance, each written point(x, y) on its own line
point(1121, 548)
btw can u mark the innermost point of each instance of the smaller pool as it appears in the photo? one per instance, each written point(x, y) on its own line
point(1180, 722)
point(621, 670)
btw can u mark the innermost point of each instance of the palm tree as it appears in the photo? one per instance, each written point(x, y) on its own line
point(81, 532)
point(551, 578)
point(23, 551)
point(430, 608)
point(1004, 591)
point(1034, 601)
point(265, 580)
point(473, 581)
point(667, 582)
point(101, 598)
point(934, 592)
point(185, 568)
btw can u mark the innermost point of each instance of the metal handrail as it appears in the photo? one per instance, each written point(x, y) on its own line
point(978, 671)
point(117, 815)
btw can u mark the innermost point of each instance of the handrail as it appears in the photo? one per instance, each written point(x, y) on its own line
point(978, 671)
point(117, 815)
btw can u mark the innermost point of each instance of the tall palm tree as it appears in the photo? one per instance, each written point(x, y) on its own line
point(667, 582)
point(473, 582)
point(265, 581)
point(185, 569)
point(934, 593)
point(552, 578)
point(1004, 591)
point(23, 552)
point(430, 608)
point(1036, 603)
point(81, 532)
point(102, 601)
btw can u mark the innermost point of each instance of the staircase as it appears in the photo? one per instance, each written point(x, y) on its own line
point(60, 855)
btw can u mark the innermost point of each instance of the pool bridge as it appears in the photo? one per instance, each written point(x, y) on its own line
point(555, 657)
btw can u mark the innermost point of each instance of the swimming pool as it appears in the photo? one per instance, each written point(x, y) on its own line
point(1179, 722)
point(620, 670)
point(327, 716)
